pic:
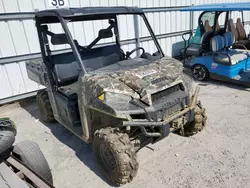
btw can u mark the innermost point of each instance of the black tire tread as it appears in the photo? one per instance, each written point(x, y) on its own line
point(44, 107)
point(124, 152)
point(31, 155)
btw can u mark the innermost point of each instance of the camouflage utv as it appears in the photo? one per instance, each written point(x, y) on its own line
point(117, 101)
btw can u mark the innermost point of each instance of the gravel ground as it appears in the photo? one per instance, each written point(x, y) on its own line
point(219, 156)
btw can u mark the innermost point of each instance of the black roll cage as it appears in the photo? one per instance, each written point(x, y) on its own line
point(55, 16)
point(112, 25)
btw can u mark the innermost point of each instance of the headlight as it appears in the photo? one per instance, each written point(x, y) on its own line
point(101, 97)
point(114, 97)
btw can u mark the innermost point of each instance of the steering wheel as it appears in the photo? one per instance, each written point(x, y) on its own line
point(128, 54)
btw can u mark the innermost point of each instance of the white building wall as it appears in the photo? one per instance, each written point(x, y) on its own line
point(19, 37)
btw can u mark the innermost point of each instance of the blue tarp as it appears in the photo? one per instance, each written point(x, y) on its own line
point(219, 7)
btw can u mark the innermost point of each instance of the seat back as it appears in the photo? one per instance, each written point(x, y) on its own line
point(101, 57)
point(67, 69)
point(217, 25)
point(206, 37)
point(217, 43)
point(240, 29)
point(207, 26)
point(229, 39)
point(233, 29)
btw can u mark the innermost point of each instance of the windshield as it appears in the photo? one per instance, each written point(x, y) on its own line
point(207, 20)
point(122, 29)
point(86, 32)
point(128, 28)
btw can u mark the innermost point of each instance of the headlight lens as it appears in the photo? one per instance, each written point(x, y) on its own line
point(114, 97)
point(101, 97)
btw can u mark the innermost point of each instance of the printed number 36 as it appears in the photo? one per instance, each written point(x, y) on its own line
point(57, 2)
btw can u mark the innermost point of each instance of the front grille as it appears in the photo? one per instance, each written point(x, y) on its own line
point(168, 112)
point(164, 93)
point(138, 116)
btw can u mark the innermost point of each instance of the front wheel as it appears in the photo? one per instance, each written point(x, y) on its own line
point(116, 155)
point(198, 123)
point(200, 73)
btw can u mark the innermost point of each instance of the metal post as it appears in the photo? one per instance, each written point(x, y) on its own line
point(242, 16)
point(17, 16)
point(137, 37)
point(191, 21)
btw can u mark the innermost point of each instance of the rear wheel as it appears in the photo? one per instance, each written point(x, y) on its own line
point(198, 123)
point(44, 107)
point(116, 155)
point(200, 72)
point(31, 155)
point(7, 138)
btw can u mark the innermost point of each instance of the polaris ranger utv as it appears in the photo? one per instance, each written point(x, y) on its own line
point(117, 101)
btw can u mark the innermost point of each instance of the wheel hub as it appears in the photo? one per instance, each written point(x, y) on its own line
point(199, 73)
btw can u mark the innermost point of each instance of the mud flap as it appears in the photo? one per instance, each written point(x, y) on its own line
point(191, 115)
point(165, 130)
point(84, 116)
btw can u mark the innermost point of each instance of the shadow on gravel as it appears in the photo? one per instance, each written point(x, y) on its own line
point(82, 150)
point(225, 84)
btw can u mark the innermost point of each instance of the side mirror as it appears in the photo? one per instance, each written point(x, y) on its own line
point(44, 27)
point(59, 39)
point(105, 33)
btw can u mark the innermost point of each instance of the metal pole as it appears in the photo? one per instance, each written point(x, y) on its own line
point(191, 21)
point(242, 15)
point(17, 16)
point(137, 37)
point(163, 9)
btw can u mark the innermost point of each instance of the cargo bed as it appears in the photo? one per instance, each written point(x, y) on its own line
point(35, 70)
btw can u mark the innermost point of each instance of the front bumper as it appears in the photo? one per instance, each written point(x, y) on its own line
point(164, 126)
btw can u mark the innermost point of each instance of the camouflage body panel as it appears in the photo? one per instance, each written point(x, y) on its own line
point(139, 82)
point(94, 85)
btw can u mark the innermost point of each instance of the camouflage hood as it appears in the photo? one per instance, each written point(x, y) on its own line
point(139, 82)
